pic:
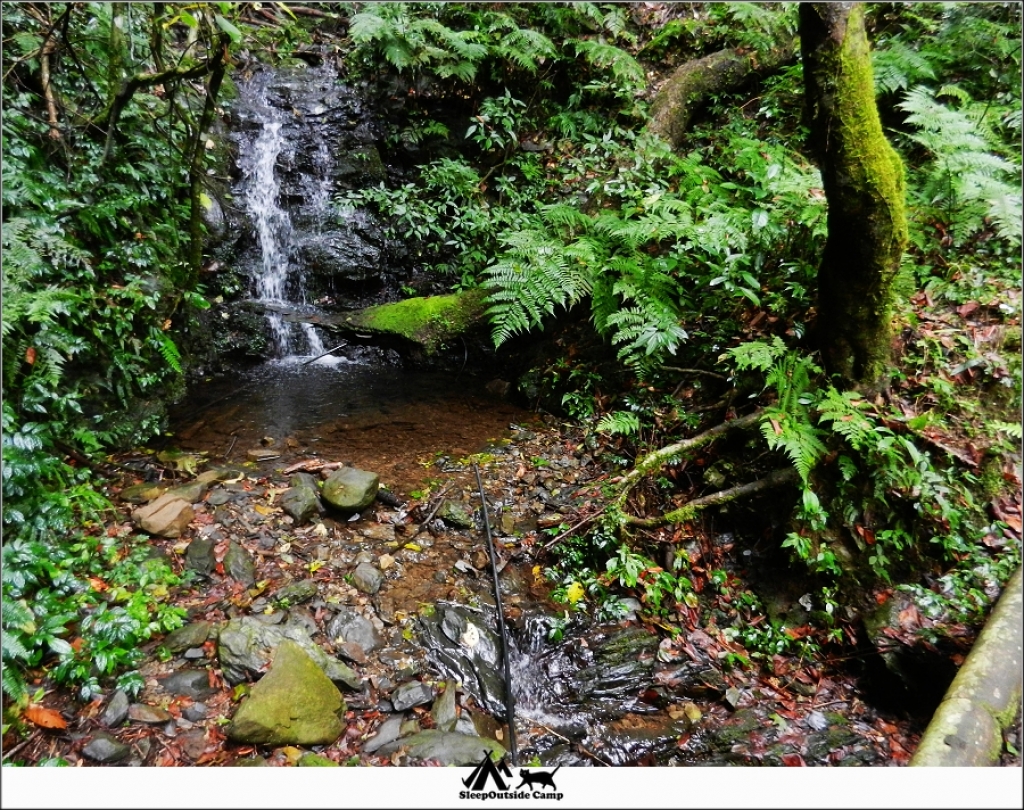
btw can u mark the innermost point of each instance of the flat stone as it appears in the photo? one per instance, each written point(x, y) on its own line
point(367, 578)
point(387, 733)
point(117, 710)
point(195, 713)
point(104, 748)
point(219, 497)
point(193, 743)
point(381, 532)
point(141, 713)
point(142, 493)
point(443, 710)
point(351, 651)
point(455, 514)
point(450, 748)
point(193, 634)
point(259, 454)
point(167, 516)
point(302, 501)
point(414, 693)
point(192, 492)
point(296, 593)
point(193, 683)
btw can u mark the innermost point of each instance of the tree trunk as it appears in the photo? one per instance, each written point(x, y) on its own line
point(863, 179)
point(687, 89)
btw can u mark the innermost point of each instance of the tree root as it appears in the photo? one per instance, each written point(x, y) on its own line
point(688, 511)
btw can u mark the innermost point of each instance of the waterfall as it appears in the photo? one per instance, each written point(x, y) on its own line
point(278, 283)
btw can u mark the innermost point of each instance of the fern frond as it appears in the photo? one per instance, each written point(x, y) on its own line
point(624, 68)
point(620, 423)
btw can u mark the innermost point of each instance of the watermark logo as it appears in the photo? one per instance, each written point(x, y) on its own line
point(491, 780)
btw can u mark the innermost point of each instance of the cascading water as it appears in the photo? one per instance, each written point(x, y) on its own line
point(278, 281)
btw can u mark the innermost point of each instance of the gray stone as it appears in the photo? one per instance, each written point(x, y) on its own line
point(219, 497)
point(302, 501)
point(414, 693)
point(450, 748)
point(443, 710)
point(167, 516)
point(104, 748)
point(350, 489)
point(296, 593)
point(349, 626)
point(193, 683)
point(189, 635)
point(247, 645)
point(194, 654)
point(455, 514)
point(293, 704)
point(199, 555)
point(239, 565)
point(141, 713)
point(367, 579)
point(387, 733)
point(117, 710)
point(192, 492)
point(195, 713)
point(351, 652)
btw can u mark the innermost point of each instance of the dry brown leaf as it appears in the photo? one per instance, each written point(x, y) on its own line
point(45, 718)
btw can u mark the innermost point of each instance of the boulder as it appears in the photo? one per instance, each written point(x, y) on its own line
point(293, 704)
point(450, 748)
point(247, 645)
point(350, 489)
point(167, 516)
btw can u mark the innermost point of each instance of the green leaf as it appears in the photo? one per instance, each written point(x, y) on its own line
point(228, 28)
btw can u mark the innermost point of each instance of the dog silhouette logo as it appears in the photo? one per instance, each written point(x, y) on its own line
point(486, 769)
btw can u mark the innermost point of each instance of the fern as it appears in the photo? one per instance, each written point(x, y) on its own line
point(897, 66)
point(620, 423)
point(626, 73)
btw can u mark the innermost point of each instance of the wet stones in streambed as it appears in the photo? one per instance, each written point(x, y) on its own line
point(246, 646)
point(302, 500)
point(187, 636)
point(293, 704)
point(193, 683)
point(239, 565)
point(116, 711)
point(460, 641)
point(351, 629)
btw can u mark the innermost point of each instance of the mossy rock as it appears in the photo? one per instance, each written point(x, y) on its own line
point(433, 321)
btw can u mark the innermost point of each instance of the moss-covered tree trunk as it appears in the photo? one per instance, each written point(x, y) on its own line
point(863, 179)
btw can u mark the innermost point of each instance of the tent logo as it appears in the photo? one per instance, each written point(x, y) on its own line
point(491, 780)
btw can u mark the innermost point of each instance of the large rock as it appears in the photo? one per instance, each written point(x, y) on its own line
point(293, 704)
point(167, 516)
point(350, 489)
point(247, 645)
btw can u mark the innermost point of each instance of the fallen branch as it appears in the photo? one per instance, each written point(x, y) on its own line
point(571, 529)
point(670, 454)
point(440, 501)
point(688, 511)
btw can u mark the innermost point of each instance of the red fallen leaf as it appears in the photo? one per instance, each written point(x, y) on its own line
point(45, 718)
point(867, 534)
point(793, 761)
point(967, 309)
point(98, 584)
point(775, 426)
point(30, 356)
point(77, 644)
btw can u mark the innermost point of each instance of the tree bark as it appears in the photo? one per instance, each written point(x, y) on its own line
point(686, 89)
point(864, 186)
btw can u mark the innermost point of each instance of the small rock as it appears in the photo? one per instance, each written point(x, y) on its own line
point(350, 626)
point(192, 492)
point(414, 693)
point(351, 651)
point(193, 683)
point(296, 593)
point(167, 516)
point(189, 635)
point(385, 561)
point(302, 501)
point(199, 555)
point(239, 565)
point(141, 713)
point(455, 514)
point(194, 654)
point(381, 532)
point(443, 710)
point(367, 579)
point(259, 454)
point(387, 733)
point(193, 743)
point(195, 713)
point(817, 721)
point(142, 493)
point(117, 710)
point(105, 748)
point(219, 497)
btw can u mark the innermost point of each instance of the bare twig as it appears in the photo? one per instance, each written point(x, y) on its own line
point(570, 530)
point(584, 750)
point(440, 500)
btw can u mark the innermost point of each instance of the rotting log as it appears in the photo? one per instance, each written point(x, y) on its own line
point(985, 696)
point(692, 83)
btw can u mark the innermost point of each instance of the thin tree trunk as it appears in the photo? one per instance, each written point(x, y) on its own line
point(863, 179)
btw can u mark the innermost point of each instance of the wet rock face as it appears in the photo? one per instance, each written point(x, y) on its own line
point(331, 138)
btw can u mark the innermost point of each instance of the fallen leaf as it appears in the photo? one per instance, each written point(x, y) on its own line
point(45, 718)
point(30, 355)
point(793, 761)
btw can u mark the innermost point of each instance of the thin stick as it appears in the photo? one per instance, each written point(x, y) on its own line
point(339, 346)
point(570, 530)
point(510, 704)
point(440, 500)
point(584, 750)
